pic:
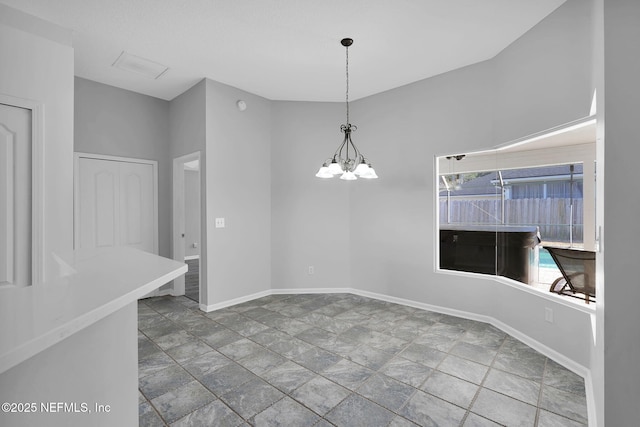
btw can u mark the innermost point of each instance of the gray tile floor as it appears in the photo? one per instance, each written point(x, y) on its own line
point(342, 360)
point(192, 280)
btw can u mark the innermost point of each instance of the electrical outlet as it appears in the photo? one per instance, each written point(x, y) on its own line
point(219, 222)
point(311, 270)
point(548, 314)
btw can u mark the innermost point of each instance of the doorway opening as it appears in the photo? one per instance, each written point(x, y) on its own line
point(186, 223)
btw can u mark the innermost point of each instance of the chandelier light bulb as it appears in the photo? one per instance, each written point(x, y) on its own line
point(324, 172)
point(370, 174)
point(361, 169)
point(335, 168)
point(349, 176)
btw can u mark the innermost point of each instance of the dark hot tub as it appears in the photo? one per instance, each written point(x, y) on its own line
point(490, 249)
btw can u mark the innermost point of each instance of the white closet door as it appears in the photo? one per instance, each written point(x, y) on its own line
point(15, 196)
point(115, 204)
point(136, 206)
point(99, 204)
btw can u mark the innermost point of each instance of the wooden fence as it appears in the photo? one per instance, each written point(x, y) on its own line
point(550, 215)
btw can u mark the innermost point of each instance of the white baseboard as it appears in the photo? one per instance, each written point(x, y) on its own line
point(235, 301)
point(312, 291)
point(591, 400)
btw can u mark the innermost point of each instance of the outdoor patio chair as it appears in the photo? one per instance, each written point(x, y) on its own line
point(578, 269)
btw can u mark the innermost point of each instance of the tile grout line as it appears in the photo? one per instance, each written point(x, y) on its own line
point(190, 374)
point(544, 372)
point(368, 311)
point(481, 385)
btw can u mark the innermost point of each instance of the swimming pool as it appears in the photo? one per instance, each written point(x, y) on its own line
point(545, 260)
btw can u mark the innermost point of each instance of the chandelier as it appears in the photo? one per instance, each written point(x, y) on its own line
point(347, 161)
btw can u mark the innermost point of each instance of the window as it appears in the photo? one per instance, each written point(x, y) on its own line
point(499, 209)
point(550, 198)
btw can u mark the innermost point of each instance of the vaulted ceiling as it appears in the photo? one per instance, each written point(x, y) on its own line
point(286, 49)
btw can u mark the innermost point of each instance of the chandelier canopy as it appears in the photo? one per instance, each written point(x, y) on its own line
point(347, 161)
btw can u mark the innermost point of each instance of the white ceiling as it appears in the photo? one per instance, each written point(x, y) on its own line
point(286, 49)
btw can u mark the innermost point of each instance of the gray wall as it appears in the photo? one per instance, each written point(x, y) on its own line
point(544, 78)
point(187, 122)
point(310, 216)
point(119, 122)
point(621, 321)
point(188, 129)
point(392, 218)
point(238, 188)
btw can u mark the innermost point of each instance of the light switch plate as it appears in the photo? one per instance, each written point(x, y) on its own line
point(219, 222)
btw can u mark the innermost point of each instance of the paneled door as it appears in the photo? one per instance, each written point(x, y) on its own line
point(115, 203)
point(15, 196)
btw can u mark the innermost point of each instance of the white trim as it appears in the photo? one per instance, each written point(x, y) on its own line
point(558, 130)
point(76, 186)
point(191, 257)
point(314, 291)
point(162, 292)
point(591, 400)
point(6, 168)
point(115, 158)
point(247, 298)
point(235, 301)
point(37, 182)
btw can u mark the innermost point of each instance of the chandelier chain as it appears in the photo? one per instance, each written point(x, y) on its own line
point(347, 93)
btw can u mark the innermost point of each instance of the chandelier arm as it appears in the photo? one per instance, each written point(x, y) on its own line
point(348, 138)
point(339, 150)
point(358, 153)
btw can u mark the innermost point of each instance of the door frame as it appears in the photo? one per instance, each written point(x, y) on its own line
point(76, 187)
point(179, 220)
point(37, 182)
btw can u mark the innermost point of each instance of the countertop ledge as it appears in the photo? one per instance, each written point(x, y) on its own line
point(91, 285)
